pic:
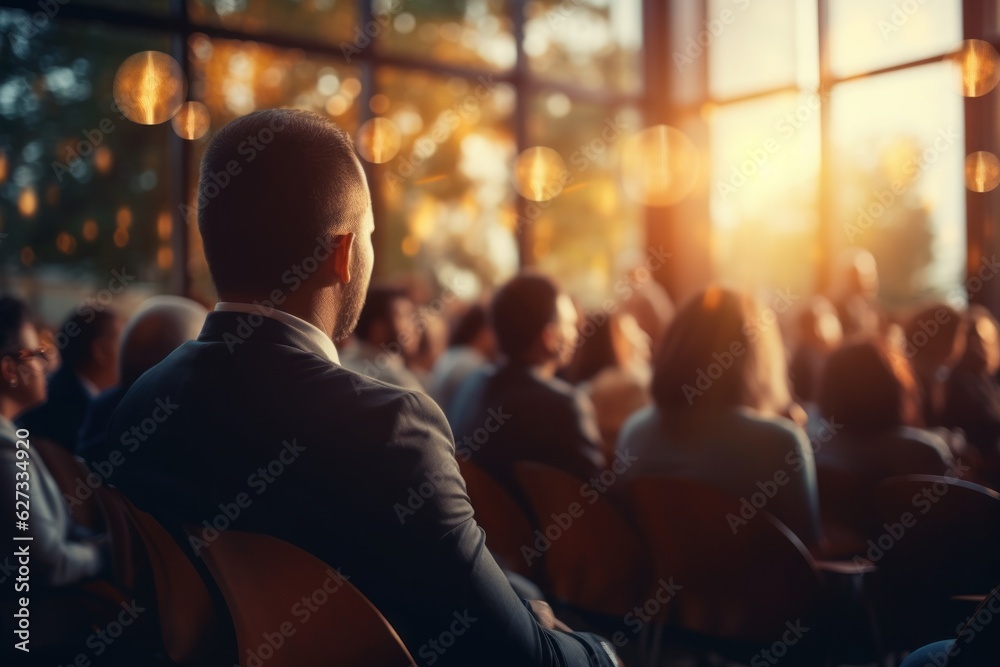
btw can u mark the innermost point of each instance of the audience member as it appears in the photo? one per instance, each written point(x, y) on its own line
point(529, 413)
point(61, 552)
point(89, 366)
point(385, 339)
point(330, 458)
point(856, 294)
point(719, 388)
point(612, 367)
point(871, 395)
point(818, 333)
point(933, 340)
point(159, 327)
point(471, 347)
point(972, 394)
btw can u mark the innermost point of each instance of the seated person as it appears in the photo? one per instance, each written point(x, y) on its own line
point(89, 366)
point(933, 342)
point(60, 554)
point(871, 395)
point(385, 339)
point(972, 394)
point(158, 328)
point(471, 346)
point(719, 392)
point(527, 413)
point(325, 455)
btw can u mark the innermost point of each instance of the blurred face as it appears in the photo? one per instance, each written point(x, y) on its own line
point(984, 345)
point(107, 351)
point(24, 372)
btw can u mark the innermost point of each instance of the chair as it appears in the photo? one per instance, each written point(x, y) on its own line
point(742, 588)
point(940, 538)
point(148, 561)
point(70, 474)
point(506, 525)
point(264, 580)
point(593, 559)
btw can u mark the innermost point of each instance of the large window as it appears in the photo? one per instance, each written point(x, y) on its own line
point(866, 91)
point(466, 84)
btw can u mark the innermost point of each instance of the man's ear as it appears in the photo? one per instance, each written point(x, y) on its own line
point(342, 255)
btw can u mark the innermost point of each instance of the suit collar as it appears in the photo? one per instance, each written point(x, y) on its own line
point(234, 329)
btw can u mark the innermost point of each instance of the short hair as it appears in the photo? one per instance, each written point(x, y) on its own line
point(868, 387)
point(13, 316)
point(161, 325)
point(91, 324)
point(521, 310)
point(272, 183)
point(722, 328)
point(934, 336)
point(378, 305)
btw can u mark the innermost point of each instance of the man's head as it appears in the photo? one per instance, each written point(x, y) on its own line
point(534, 322)
point(284, 211)
point(161, 325)
point(389, 317)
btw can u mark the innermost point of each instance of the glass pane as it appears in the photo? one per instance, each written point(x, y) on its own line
point(447, 205)
point(84, 192)
point(234, 78)
point(900, 149)
point(591, 43)
point(870, 34)
point(464, 32)
point(764, 188)
point(751, 45)
point(591, 233)
point(327, 20)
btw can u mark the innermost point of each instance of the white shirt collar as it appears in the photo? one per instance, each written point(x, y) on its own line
point(309, 329)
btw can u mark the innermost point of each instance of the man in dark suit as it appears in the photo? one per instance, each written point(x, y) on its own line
point(255, 426)
point(520, 411)
point(89, 341)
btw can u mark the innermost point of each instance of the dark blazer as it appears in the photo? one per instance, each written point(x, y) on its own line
point(60, 417)
point(510, 414)
point(92, 441)
point(254, 423)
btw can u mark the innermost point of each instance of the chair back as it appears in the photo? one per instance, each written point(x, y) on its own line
point(940, 536)
point(264, 581)
point(159, 573)
point(743, 578)
point(70, 474)
point(593, 559)
point(507, 526)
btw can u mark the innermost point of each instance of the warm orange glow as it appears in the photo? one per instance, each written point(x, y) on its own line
point(982, 171)
point(712, 297)
point(337, 105)
point(3, 167)
point(124, 217)
point(89, 230)
point(121, 238)
point(659, 166)
point(379, 104)
point(378, 140)
point(191, 121)
point(27, 256)
point(149, 87)
point(66, 243)
point(164, 257)
point(351, 87)
point(102, 159)
point(27, 203)
point(163, 225)
point(980, 67)
point(411, 246)
point(540, 173)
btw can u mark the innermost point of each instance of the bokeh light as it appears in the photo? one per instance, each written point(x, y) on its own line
point(378, 140)
point(149, 87)
point(980, 67)
point(982, 171)
point(659, 166)
point(27, 202)
point(191, 121)
point(540, 173)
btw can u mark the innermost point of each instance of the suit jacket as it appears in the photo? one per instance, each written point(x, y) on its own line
point(92, 441)
point(253, 429)
point(60, 417)
point(510, 414)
